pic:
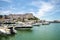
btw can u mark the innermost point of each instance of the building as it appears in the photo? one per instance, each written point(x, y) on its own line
point(20, 17)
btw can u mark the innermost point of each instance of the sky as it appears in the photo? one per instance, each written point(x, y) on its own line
point(43, 9)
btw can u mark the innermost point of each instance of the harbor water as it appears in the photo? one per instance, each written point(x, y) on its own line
point(42, 32)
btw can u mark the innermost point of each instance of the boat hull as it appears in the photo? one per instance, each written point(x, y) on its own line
point(23, 28)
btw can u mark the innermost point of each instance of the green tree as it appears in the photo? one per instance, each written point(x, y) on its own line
point(1, 16)
point(35, 18)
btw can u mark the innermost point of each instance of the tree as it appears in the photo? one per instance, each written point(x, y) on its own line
point(1, 16)
point(6, 17)
point(35, 18)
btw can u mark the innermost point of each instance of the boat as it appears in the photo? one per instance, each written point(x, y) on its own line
point(4, 31)
point(45, 23)
point(36, 24)
point(12, 30)
point(7, 30)
point(23, 26)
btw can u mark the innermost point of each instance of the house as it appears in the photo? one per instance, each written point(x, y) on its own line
point(21, 16)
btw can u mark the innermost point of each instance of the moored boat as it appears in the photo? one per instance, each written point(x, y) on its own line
point(36, 24)
point(45, 23)
point(23, 26)
point(4, 31)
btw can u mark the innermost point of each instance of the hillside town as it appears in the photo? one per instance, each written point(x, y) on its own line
point(9, 23)
point(12, 22)
point(18, 17)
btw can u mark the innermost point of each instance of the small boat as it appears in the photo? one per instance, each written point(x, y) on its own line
point(36, 24)
point(45, 23)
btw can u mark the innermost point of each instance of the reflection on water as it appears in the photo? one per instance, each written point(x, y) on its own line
point(5, 37)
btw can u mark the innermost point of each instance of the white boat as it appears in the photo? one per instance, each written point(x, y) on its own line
point(36, 24)
point(7, 30)
point(12, 30)
point(4, 31)
point(23, 26)
point(45, 23)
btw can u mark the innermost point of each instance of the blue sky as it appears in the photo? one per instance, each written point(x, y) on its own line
point(43, 9)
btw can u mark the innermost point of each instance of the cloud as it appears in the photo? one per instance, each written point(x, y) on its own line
point(9, 1)
point(39, 8)
point(6, 12)
point(46, 7)
point(19, 12)
point(43, 8)
point(55, 1)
